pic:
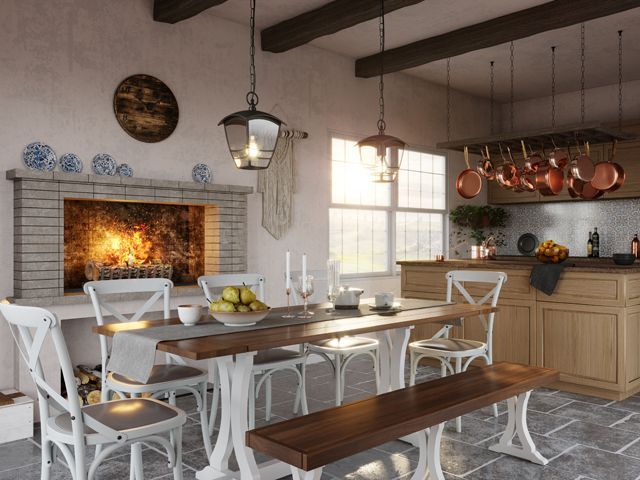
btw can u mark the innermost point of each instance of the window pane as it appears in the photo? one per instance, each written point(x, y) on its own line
point(419, 236)
point(351, 181)
point(422, 181)
point(359, 238)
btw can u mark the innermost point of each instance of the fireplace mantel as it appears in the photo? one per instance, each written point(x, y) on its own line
point(39, 227)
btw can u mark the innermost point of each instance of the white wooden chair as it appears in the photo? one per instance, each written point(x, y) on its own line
point(266, 362)
point(338, 352)
point(165, 379)
point(111, 425)
point(446, 349)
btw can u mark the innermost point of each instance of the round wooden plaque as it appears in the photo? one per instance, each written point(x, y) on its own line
point(146, 108)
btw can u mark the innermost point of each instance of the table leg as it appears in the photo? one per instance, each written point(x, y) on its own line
point(235, 378)
point(391, 351)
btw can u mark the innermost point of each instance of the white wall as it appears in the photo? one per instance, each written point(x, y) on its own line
point(62, 60)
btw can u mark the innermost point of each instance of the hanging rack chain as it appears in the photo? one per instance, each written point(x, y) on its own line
point(381, 123)
point(252, 96)
point(491, 94)
point(619, 79)
point(553, 87)
point(582, 73)
point(511, 112)
point(448, 99)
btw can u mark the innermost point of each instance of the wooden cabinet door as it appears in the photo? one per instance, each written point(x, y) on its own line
point(582, 342)
point(628, 157)
point(496, 195)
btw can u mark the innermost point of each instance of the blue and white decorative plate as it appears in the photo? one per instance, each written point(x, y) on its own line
point(70, 163)
point(201, 173)
point(125, 170)
point(104, 164)
point(39, 156)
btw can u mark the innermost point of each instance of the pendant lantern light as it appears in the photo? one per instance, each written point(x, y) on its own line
point(382, 152)
point(251, 134)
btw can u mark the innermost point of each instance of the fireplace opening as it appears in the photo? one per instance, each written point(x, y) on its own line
point(110, 240)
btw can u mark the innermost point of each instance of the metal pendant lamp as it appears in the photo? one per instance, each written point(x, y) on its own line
point(251, 134)
point(382, 152)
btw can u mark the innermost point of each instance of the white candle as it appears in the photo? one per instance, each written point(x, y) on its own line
point(288, 270)
point(304, 272)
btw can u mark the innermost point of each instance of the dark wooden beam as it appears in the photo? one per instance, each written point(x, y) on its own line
point(325, 20)
point(174, 11)
point(525, 23)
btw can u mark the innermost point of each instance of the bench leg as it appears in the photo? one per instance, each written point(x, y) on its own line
point(299, 474)
point(517, 425)
point(429, 460)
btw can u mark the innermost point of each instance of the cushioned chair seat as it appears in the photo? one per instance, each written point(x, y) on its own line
point(275, 355)
point(161, 373)
point(448, 344)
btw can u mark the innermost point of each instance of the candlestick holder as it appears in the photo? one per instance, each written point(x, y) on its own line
point(288, 314)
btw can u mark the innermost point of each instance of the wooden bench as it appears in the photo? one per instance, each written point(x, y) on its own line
point(312, 441)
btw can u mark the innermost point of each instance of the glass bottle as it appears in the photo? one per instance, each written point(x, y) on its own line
point(635, 246)
point(590, 246)
point(596, 243)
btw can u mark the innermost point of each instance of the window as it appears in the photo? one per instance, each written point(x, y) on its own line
point(366, 219)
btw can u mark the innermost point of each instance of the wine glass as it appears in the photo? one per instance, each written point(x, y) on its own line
point(333, 281)
point(304, 288)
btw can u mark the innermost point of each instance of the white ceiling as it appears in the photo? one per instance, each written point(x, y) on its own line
point(470, 72)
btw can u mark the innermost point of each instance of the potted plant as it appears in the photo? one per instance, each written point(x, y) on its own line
point(477, 224)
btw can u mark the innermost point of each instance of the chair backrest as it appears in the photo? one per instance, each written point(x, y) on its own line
point(212, 284)
point(157, 287)
point(457, 278)
point(34, 325)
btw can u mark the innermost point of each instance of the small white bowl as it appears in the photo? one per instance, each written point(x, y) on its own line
point(190, 314)
point(240, 319)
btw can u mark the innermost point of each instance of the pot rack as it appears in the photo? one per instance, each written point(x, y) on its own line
point(563, 136)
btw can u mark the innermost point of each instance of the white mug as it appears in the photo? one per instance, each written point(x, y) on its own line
point(384, 300)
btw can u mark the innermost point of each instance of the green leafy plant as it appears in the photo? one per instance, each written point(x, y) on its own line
point(478, 222)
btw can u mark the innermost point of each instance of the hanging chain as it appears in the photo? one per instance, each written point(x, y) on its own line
point(252, 96)
point(381, 123)
point(553, 87)
point(619, 79)
point(582, 75)
point(448, 99)
point(511, 113)
point(491, 93)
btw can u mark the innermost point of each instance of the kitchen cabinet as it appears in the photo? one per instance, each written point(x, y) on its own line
point(589, 329)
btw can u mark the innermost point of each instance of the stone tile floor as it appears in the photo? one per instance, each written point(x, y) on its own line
point(585, 438)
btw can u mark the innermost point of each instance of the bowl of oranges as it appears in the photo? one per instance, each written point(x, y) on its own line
point(551, 252)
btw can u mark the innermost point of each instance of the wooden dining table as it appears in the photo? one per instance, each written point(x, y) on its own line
point(233, 354)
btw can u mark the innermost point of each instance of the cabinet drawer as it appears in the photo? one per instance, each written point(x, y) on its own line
point(516, 287)
point(587, 289)
point(432, 280)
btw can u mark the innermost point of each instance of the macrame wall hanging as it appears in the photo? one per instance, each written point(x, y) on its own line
point(276, 184)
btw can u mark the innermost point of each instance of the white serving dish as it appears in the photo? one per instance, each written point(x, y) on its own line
point(240, 319)
point(189, 314)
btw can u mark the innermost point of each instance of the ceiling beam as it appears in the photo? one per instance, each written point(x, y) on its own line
point(174, 11)
point(325, 20)
point(521, 24)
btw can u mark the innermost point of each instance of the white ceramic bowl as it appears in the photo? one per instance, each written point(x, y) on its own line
point(189, 314)
point(240, 319)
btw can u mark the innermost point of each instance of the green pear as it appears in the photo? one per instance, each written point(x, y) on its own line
point(214, 306)
point(231, 294)
point(226, 307)
point(243, 308)
point(257, 306)
point(246, 295)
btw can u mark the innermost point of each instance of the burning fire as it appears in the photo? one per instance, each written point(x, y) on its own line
point(125, 247)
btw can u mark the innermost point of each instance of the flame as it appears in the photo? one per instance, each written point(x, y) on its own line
point(128, 246)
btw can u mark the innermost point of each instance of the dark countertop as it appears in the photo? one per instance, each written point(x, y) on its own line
point(577, 264)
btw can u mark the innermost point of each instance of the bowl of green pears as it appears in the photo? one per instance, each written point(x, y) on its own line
point(238, 307)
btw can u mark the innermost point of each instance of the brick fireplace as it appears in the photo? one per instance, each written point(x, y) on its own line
point(69, 228)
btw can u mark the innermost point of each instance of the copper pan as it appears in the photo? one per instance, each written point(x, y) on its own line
point(527, 183)
point(485, 165)
point(507, 174)
point(621, 174)
point(549, 180)
point(558, 158)
point(581, 166)
point(574, 186)
point(606, 173)
point(469, 182)
point(589, 192)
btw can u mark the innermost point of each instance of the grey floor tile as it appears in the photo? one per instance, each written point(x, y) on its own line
point(473, 430)
point(604, 438)
point(371, 465)
point(632, 404)
point(632, 450)
point(582, 398)
point(396, 446)
point(631, 423)
point(546, 403)
point(541, 423)
point(18, 454)
point(459, 458)
point(548, 447)
point(597, 464)
point(32, 472)
point(591, 413)
point(510, 468)
point(486, 413)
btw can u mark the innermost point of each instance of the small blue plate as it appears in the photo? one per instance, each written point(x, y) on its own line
point(125, 170)
point(201, 173)
point(104, 164)
point(70, 163)
point(39, 156)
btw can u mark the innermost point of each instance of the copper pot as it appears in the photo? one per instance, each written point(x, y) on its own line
point(558, 158)
point(606, 173)
point(507, 174)
point(469, 182)
point(589, 192)
point(549, 180)
point(581, 166)
point(485, 165)
point(574, 186)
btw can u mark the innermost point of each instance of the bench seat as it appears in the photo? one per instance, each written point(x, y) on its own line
point(312, 441)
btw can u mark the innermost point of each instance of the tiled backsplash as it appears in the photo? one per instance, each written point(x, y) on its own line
point(569, 223)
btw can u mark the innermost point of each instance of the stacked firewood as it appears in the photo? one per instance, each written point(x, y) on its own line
point(99, 271)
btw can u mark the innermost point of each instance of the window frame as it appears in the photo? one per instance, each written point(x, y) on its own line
point(392, 268)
